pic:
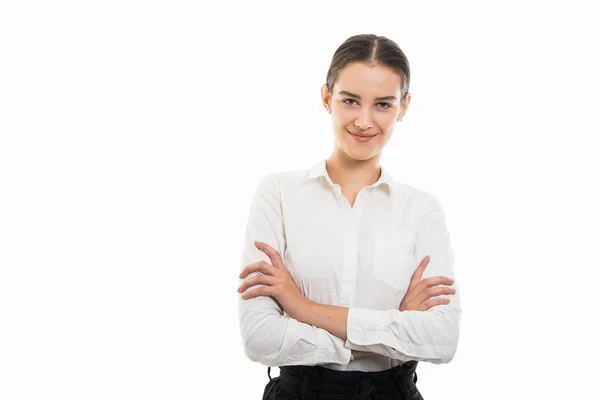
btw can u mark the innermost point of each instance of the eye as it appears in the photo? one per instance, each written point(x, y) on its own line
point(384, 106)
point(347, 100)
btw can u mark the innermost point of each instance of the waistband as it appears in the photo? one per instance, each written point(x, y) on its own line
point(316, 382)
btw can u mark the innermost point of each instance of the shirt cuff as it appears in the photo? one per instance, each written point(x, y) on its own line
point(364, 322)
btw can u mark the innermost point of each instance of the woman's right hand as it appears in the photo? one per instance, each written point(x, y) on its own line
point(420, 294)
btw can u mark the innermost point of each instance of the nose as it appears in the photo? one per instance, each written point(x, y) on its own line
point(363, 120)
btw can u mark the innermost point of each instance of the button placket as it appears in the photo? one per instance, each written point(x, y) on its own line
point(348, 262)
point(351, 254)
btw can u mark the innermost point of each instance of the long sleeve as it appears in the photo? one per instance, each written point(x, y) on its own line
point(431, 335)
point(269, 336)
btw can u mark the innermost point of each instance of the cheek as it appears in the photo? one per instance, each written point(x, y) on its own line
point(386, 120)
point(340, 122)
point(343, 116)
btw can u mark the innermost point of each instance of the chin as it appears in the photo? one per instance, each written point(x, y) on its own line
point(360, 155)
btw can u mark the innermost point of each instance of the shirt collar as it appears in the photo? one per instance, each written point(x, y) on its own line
point(320, 170)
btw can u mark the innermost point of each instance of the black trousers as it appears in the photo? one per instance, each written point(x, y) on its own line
point(318, 383)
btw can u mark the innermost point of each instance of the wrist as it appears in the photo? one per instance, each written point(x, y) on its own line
point(307, 311)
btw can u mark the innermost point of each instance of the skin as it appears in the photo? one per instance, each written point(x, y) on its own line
point(365, 100)
point(351, 164)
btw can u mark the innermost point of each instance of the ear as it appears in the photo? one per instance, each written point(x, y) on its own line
point(326, 98)
point(403, 107)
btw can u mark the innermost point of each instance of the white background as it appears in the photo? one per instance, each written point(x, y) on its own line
point(133, 134)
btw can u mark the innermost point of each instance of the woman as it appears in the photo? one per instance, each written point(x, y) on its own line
point(331, 292)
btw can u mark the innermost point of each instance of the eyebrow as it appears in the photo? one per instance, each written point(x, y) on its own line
point(345, 93)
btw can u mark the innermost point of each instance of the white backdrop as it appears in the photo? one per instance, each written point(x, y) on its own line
point(133, 134)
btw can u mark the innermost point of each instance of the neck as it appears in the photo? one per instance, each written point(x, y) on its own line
point(353, 174)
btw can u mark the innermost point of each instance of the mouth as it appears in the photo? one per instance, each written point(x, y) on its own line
point(362, 138)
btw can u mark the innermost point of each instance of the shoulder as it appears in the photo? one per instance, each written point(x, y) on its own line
point(419, 202)
point(275, 180)
point(416, 194)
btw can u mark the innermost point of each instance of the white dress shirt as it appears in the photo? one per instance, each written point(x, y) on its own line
point(360, 257)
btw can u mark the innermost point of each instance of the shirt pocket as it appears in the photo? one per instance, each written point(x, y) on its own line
point(393, 258)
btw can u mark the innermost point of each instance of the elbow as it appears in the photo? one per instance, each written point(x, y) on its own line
point(447, 355)
point(252, 355)
point(448, 328)
point(262, 348)
point(253, 347)
point(262, 337)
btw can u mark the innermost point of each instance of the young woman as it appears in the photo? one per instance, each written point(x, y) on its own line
point(346, 278)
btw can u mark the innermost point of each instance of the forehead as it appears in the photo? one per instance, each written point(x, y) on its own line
point(368, 80)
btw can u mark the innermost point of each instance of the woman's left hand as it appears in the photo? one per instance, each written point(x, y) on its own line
point(278, 282)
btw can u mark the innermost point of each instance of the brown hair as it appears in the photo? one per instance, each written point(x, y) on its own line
point(371, 49)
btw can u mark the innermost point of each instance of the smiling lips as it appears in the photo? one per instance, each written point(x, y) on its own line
point(361, 138)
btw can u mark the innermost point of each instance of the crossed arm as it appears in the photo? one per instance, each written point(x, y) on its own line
point(278, 283)
point(314, 333)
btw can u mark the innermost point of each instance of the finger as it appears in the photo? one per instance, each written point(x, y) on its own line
point(261, 291)
point(426, 305)
point(412, 290)
point(426, 283)
point(259, 266)
point(433, 292)
point(416, 277)
point(271, 252)
point(437, 280)
point(257, 280)
point(429, 282)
